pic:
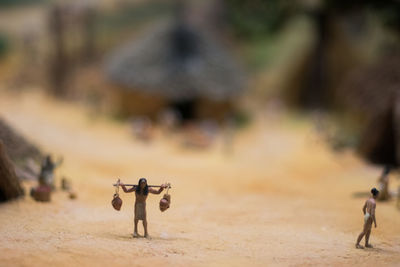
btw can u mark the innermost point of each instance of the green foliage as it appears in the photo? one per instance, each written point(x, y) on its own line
point(113, 27)
point(257, 18)
point(241, 119)
point(4, 45)
point(18, 2)
point(387, 10)
point(132, 15)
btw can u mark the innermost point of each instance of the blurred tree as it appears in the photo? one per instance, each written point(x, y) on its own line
point(4, 45)
point(256, 18)
point(387, 10)
point(17, 2)
point(59, 65)
point(320, 80)
point(89, 33)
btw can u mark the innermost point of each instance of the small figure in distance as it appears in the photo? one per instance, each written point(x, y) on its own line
point(369, 218)
point(46, 176)
point(383, 184)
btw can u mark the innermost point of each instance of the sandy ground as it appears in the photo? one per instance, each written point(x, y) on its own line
point(282, 198)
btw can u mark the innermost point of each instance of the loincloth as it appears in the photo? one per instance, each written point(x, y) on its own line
point(366, 217)
point(367, 220)
point(140, 211)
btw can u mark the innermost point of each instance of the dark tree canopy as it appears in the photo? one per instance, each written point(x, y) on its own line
point(251, 19)
point(387, 10)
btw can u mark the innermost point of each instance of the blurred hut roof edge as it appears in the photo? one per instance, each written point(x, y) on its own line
point(374, 89)
point(177, 61)
point(375, 92)
point(17, 147)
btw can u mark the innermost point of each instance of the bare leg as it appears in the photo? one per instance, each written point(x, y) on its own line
point(146, 234)
point(367, 245)
point(135, 232)
point(359, 240)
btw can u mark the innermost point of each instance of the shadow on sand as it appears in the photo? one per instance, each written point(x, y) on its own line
point(360, 194)
point(129, 237)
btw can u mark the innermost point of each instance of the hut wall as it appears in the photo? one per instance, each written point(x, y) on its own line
point(134, 103)
point(213, 109)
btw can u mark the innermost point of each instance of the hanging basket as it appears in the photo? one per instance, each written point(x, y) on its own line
point(116, 202)
point(165, 202)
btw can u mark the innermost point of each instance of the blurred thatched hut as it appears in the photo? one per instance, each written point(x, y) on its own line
point(14, 152)
point(9, 183)
point(175, 65)
point(25, 156)
point(375, 93)
point(16, 146)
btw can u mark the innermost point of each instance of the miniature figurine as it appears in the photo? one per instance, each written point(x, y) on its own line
point(142, 189)
point(369, 218)
point(383, 182)
point(46, 176)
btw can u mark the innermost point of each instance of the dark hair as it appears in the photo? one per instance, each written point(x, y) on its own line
point(374, 191)
point(146, 188)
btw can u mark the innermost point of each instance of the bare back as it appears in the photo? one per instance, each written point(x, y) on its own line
point(370, 206)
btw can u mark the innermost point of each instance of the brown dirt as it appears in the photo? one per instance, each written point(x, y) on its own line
point(282, 198)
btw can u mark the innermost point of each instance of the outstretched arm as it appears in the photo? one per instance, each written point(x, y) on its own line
point(127, 190)
point(157, 192)
point(59, 162)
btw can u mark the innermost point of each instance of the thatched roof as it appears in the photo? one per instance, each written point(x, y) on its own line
point(177, 62)
point(379, 143)
point(17, 147)
point(9, 184)
point(375, 92)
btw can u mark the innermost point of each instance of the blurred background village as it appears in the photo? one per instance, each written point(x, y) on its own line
point(198, 75)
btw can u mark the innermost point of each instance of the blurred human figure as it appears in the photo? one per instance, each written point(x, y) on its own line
point(65, 184)
point(169, 120)
point(142, 129)
point(195, 136)
point(209, 127)
point(141, 192)
point(383, 184)
point(229, 132)
point(369, 218)
point(398, 197)
point(46, 176)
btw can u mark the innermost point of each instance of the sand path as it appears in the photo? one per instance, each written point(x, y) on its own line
point(282, 198)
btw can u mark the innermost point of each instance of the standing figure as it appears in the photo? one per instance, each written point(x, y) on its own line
point(383, 184)
point(369, 218)
point(398, 197)
point(141, 191)
point(46, 176)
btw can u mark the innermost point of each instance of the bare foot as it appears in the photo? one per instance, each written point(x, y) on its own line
point(359, 246)
point(368, 246)
point(147, 236)
point(135, 235)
